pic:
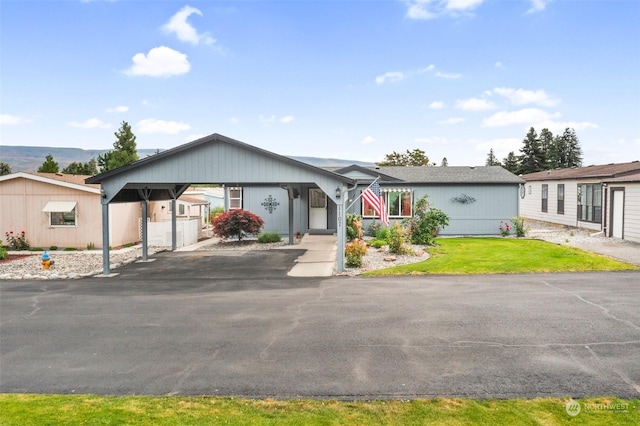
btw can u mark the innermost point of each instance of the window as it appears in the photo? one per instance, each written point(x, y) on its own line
point(181, 209)
point(235, 198)
point(398, 204)
point(545, 197)
point(61, 213)
point(590, 202)
point(560, 198)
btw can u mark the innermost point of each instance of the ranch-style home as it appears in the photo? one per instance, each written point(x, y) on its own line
point(602, 198)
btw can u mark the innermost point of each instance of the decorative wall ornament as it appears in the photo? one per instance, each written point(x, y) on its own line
point(270, 204)
point(463, 199)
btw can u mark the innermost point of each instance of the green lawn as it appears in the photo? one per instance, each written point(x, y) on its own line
point(504, 256)
point(27, 410)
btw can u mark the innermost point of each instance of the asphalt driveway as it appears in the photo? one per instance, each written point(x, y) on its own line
point(178, 331)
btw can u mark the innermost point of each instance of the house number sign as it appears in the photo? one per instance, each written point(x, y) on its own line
point(270, 204)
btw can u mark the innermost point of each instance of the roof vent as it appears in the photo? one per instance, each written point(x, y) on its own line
point(634, 161)
point(472, 167)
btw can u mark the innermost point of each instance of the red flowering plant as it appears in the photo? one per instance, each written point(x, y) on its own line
point(17, 241)
point(505, 229)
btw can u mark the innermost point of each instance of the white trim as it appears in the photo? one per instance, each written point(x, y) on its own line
point(50, 181)
point(396, 189)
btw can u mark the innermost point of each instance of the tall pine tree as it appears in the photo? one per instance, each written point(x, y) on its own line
point(491, 159)
point(574, 151)
point(546, 144)
point(511, 162)
point(532, 158)
point(124, 151)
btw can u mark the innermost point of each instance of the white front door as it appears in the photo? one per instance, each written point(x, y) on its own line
point(317, 209)
point(617, 215)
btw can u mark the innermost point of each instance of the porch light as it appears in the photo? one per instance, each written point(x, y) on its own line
point(338, 192)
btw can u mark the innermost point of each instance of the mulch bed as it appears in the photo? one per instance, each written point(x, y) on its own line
point(12, 257)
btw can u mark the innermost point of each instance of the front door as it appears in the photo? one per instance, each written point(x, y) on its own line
point(617, 215)
point(317, 209)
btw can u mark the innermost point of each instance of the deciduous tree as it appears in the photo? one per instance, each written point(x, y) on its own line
point(417, 157)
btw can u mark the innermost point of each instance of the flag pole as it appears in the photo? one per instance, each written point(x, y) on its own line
point(360, 195)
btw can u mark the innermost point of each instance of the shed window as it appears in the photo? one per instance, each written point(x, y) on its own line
point(235, 198)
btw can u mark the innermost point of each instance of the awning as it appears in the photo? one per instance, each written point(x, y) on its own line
point(59, 206)
point(396, 189)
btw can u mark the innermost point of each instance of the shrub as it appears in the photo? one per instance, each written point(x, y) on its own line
point(269, 237)
point(17, 241)
point(237, 223)
point(397, 239)
point(3, 251)
point(518, 223)
point(91, 246)
point(373, 229)
point(378, 243)
point(215, 212)
point(354, 253)
point(382, 234)
point(70, 249)
point(505, 229)
point(354, 227)
point(426, 222)
point(53, 248)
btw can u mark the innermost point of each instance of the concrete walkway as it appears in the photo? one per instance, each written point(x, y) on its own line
point(319, 260)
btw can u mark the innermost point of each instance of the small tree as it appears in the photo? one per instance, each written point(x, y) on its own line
point(511, 163)
point(426, 222)
point(237, 223)
point(417, 157)
point(89, 168)
point(5, 169)
point(124, 150)
point(491, 159)
point(49, 166)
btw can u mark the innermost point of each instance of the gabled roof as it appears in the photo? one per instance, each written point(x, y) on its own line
point(439, 175)
point(604, 171)
point(68, 181)
point(371, 171)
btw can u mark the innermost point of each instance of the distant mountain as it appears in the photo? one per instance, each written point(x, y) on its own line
point(29, 158)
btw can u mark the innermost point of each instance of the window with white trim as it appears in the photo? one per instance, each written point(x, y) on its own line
point(61, 213)
point(399, 203)
point(235, 198)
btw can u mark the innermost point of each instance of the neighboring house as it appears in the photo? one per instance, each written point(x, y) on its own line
point(602, 198)
point(56, 209)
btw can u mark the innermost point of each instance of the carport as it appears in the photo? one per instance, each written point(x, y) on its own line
point(215, 159)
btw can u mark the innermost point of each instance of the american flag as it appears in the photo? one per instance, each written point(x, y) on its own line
point(373, 196)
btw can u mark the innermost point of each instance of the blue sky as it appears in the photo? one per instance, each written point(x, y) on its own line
point(343, 79)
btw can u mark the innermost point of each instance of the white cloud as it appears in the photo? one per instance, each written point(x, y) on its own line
point(447, 75)
point(429, 68)
point(185, 31)
point(287, 119)
point(151, 125)
point(436, 105)
point(367, 140)
point(92, 123)
point(273, 118)
point(523, 97)
point(453, 120)
point(12, 120)
point(558, 127)
point(160, 62)
point(120, 108)
point(474, 104)
point(234, 120)
point(392, 76)
point(501, 147)
point(538, 5)
point(431, 9)
point(270, 119)
point(524, 116)
point(499, 65)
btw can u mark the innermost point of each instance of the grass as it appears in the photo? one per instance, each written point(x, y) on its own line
point(504, 256)
point(24, 410)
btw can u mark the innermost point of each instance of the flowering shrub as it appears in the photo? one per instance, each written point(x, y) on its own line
point(397, 240)
point(354, 227)
point(237, 223)
point(426, 222)
point(17, 241)
point(354, 253)
point(505, 229)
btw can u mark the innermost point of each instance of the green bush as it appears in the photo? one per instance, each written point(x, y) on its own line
point(53, 248)
point(518, 223)
point(237, 223)
point(397, 240)
point(382, 234)
point(215, 212)
point(269, 237)
point(426, 222)
point(91, 246)
point(372, 230)
point(354, 227)
point(3, 251)
point(378, 243)
point(70, 249)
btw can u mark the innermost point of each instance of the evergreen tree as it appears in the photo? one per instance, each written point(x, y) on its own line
point(417, 157)
point(532, 158)
point(511, 163)
point(49, 166)
point(574, 151)
point(444, 163)
point(124, 151)
point(74, 168)
point(5, 169)
point(491, 159)
point(546, 144)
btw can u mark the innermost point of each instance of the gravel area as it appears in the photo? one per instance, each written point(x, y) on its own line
point(86, 263)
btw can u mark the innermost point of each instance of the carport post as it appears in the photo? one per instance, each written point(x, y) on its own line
point(291, 198)
point(173, 225)
point(105, 236)
point(145, 251)
point(341, 219)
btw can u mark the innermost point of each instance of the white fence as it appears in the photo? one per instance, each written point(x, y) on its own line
point(159, 233)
